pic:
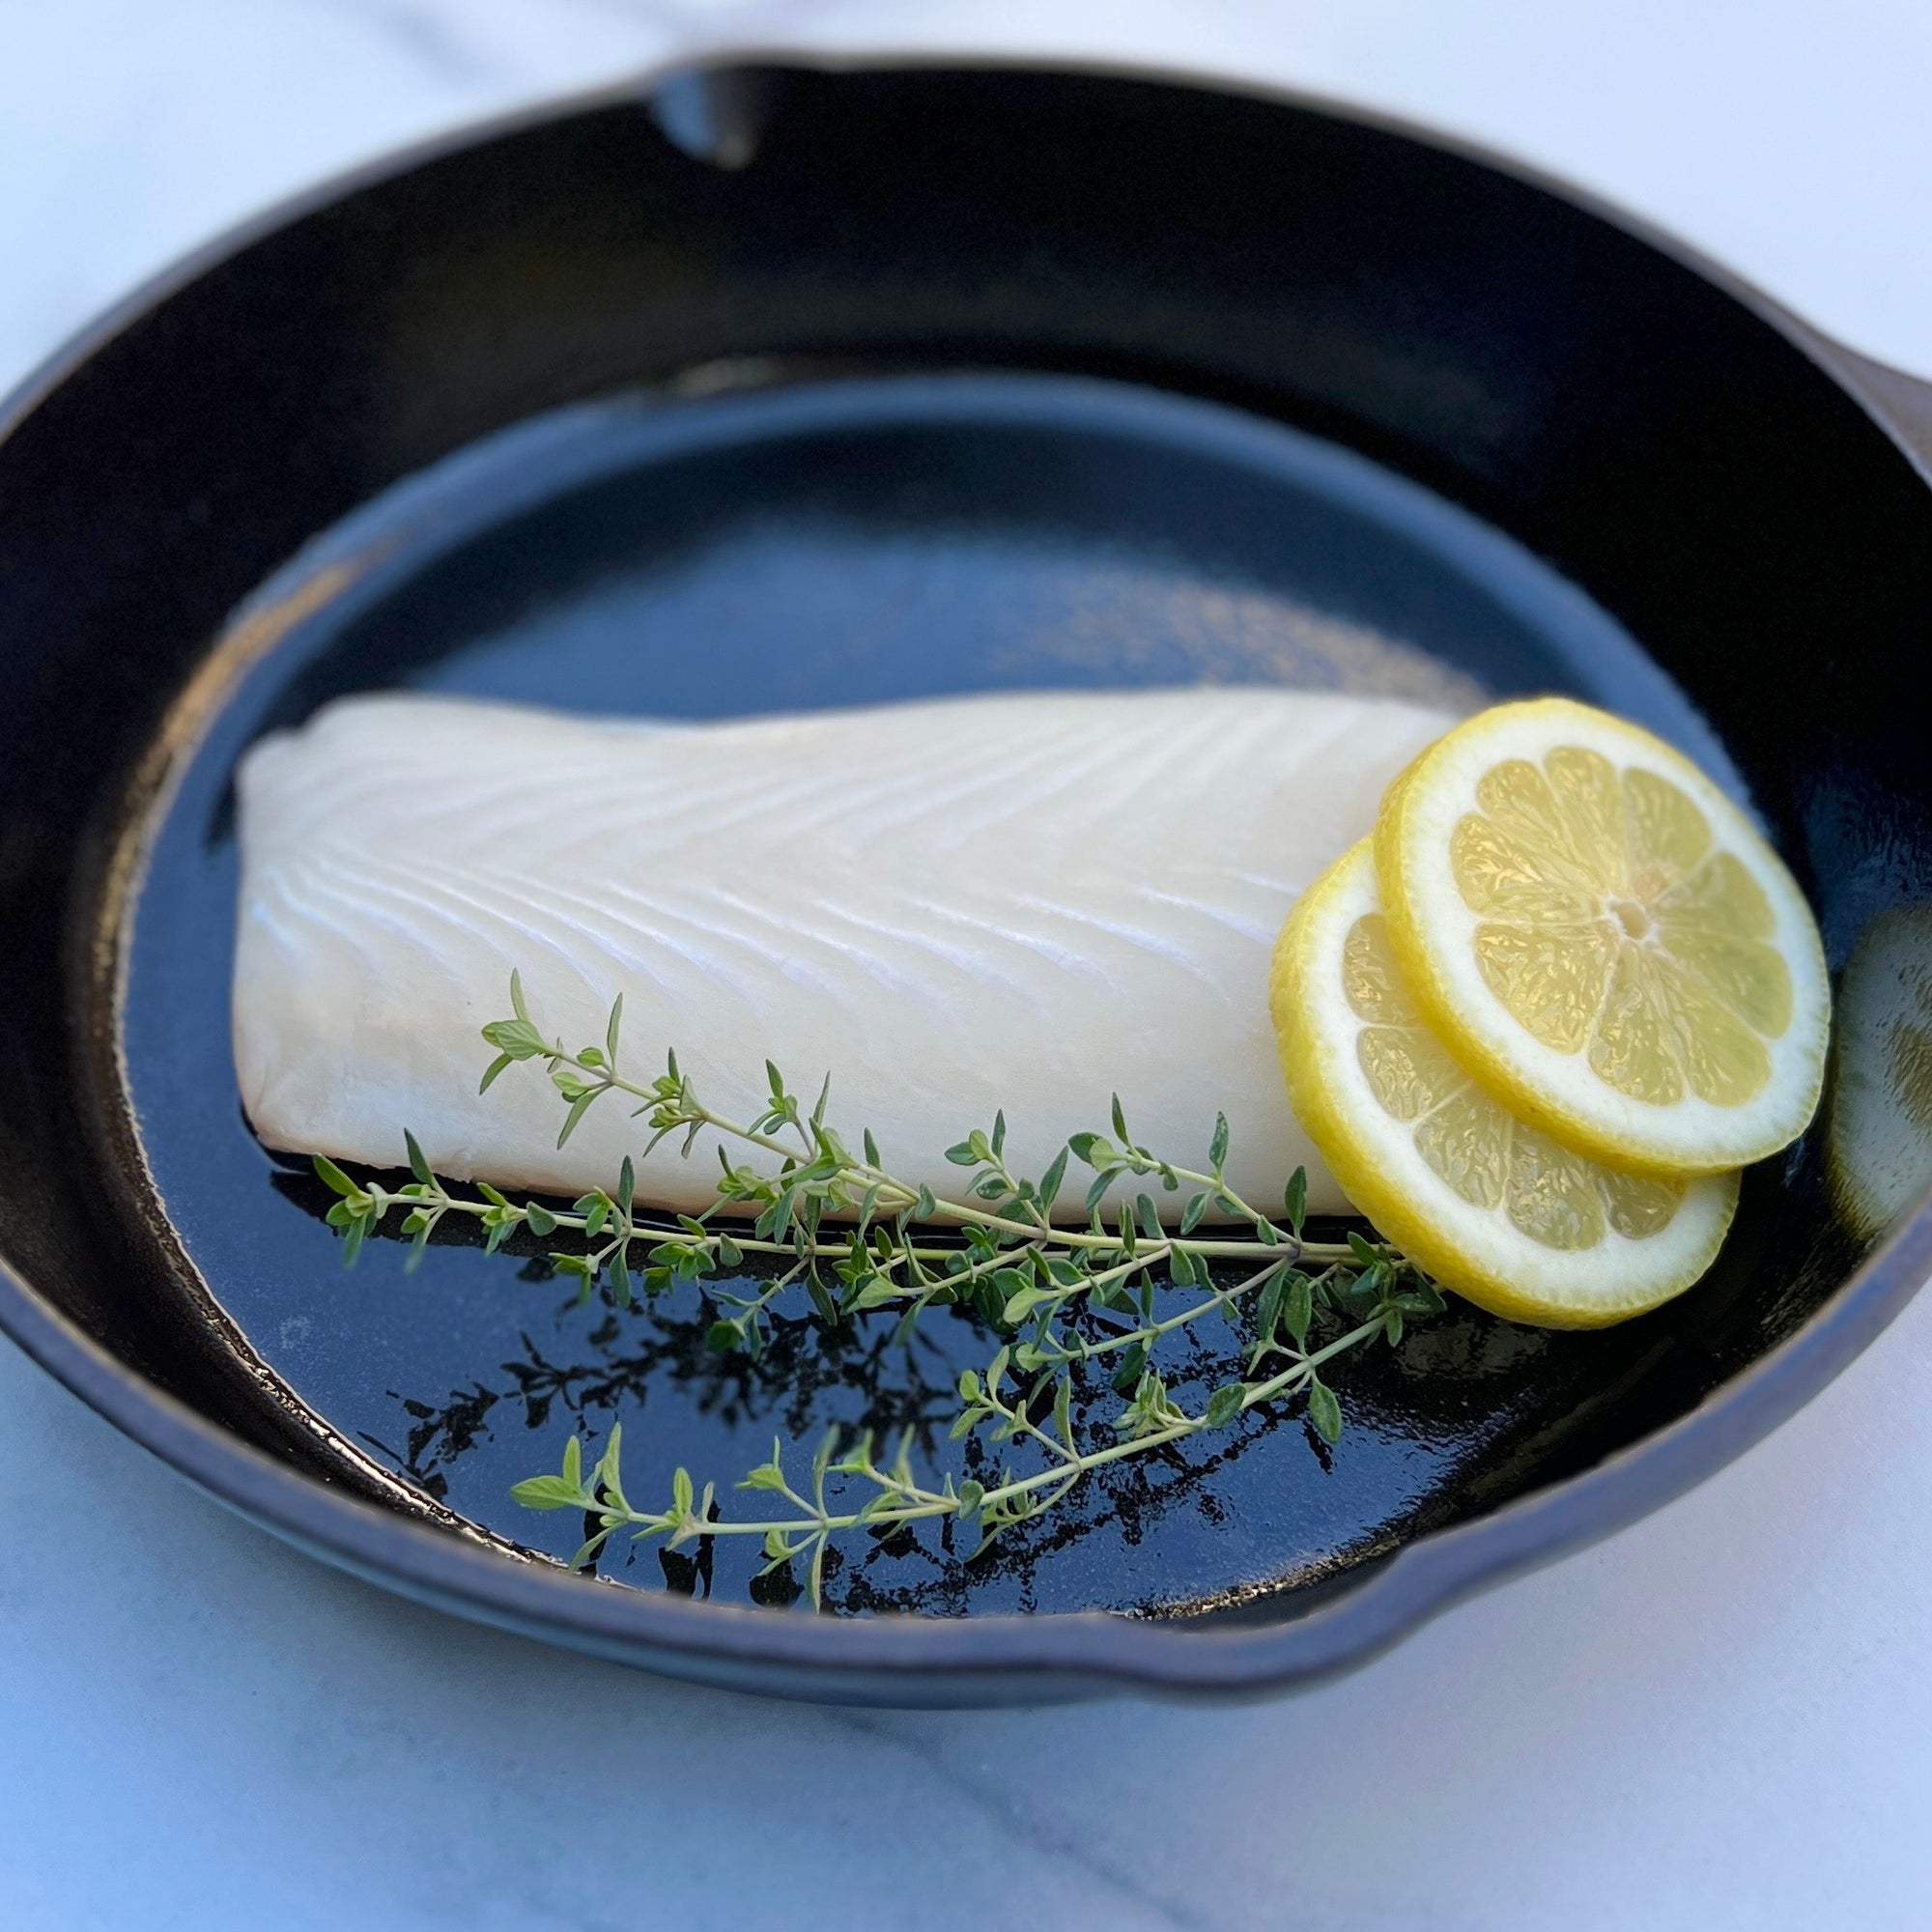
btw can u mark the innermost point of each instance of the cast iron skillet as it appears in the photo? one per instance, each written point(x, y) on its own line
point(780, 384)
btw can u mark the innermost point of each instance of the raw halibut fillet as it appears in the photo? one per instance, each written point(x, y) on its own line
point(1022, 901)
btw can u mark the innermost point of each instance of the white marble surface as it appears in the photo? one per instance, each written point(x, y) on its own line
point(1718, 1720)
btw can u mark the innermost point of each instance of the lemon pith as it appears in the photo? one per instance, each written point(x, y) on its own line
point(1489, 1205)
point(1601, 938)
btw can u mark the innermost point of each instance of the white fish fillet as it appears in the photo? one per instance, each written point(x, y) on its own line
point(1022, 901)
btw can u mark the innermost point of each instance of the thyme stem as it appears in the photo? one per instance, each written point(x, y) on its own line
point(896, 1503)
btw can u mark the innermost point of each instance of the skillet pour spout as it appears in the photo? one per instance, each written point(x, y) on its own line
point(1168, 381)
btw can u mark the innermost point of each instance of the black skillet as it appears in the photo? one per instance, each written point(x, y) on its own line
point(786, 386)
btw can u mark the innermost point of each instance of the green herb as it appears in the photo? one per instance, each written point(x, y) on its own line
point(1058, 1297)
point(880, 1500)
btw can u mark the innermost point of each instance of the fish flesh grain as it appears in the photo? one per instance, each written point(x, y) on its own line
point(1026, 901)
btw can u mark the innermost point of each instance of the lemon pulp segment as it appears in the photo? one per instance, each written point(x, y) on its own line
point(1474, 1144)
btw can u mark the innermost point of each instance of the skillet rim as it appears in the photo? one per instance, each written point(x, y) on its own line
point(1005, 1657)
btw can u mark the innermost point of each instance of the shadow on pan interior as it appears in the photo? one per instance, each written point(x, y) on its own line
point(780, 509)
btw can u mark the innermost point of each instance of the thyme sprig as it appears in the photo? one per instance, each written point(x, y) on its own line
point(1061, 1299)
point(892, 1499)
point(846, 1220)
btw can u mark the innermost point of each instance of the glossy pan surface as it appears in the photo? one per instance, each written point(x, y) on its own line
point(783, 387)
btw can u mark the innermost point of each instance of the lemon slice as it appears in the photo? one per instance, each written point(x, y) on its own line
point(1878, 1141)
point(1601, 936)
point(1485, 1202)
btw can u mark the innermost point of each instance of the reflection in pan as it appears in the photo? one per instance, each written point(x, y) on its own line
point(1451, 1394)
